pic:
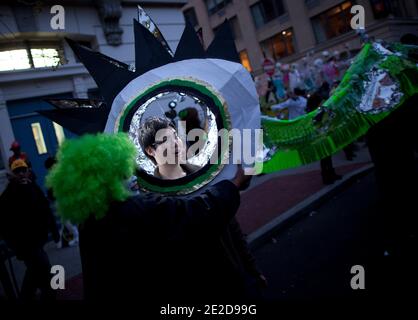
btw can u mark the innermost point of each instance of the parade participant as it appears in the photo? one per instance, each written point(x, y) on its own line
point(306, 74)
point(286, 75)
point(278, 82)
point(328, 174)
point(295, 80)
point(18, 154)
point(317, 72)
point(296, 104)
point(160, 143)
point(147, 246)
point(25, 222)
point(330, 71)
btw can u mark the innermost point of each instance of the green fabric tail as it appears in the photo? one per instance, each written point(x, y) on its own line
point(299, 141)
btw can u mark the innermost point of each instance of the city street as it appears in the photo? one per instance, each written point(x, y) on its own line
point(312, 258)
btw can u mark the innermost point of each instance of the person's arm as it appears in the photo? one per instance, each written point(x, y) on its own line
point(210, 211)
point(282, 105)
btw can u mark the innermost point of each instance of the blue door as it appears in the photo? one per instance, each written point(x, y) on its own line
point(38, 136)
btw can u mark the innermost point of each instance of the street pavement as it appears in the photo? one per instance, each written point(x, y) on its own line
point(312, 258)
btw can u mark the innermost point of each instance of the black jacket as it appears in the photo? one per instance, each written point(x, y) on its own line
point(25, 218)
point(152, 247)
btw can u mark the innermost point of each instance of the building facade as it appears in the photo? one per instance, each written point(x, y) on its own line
point(36, 63)
point(287, 30)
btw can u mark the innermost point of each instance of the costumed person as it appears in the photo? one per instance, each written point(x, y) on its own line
point(306, 75)
point(163, 240)
point(261, 83)
point(25, 222)
point(271, 91)
point(345, 59)
point(330, 71)
point(177, 237)
point(317, 72)
point(328, 174)
point(295, 80)
point(286, 75)
point(160, 143)
point(278, 82)
point(19, 154)
point(295, 105)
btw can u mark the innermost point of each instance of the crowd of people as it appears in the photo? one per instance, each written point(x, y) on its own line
point(306, 75)
point(302, 87)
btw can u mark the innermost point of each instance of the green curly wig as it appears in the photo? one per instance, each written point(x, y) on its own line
point(90, 173)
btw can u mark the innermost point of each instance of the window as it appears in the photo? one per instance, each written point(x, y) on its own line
point(214, 6)
point(27, 55)
point(280, 45)
point(333, 22)
point(38, 137)
point(266, 10)
point(245, 61)
point(383, 8)
point(59, 133)
point(190, 15)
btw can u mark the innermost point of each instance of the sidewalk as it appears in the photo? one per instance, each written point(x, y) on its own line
point(271, 195)
point(268, 201)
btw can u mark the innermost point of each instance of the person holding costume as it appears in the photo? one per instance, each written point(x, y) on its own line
point(176, 246)
point(157, 246)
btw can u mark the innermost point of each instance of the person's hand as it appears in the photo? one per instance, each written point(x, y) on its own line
point(241, 180)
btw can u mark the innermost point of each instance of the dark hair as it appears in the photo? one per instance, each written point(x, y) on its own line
point(299, 91)
point(149, 129)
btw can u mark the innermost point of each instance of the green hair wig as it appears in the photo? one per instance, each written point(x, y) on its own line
point(90, 173)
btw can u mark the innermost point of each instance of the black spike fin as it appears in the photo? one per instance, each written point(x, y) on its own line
point(189, 46)
point(111, 75)
point(79, 120)
point(149, 51)
point(223, 45)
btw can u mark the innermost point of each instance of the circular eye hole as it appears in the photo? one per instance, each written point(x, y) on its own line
point(177, 129)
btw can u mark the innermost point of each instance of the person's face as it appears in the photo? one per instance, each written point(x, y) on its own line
point(168, 147)
point(22, 175)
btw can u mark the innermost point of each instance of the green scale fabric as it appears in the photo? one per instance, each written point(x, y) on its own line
point(302, 140)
